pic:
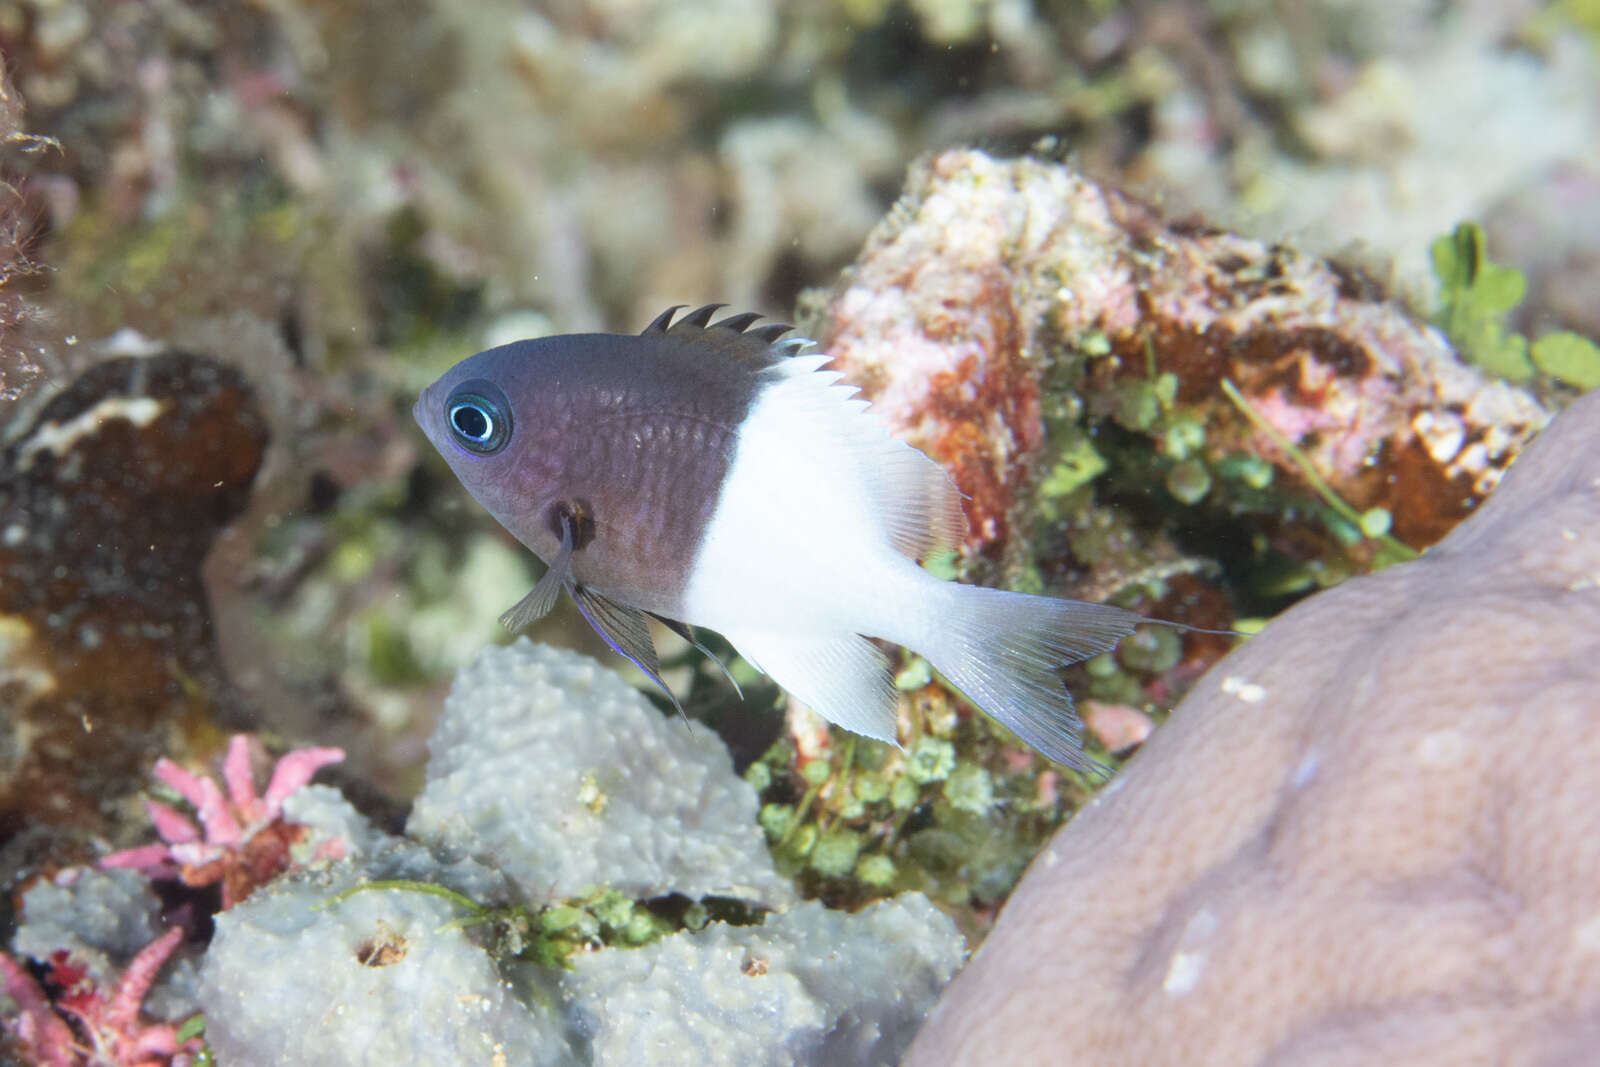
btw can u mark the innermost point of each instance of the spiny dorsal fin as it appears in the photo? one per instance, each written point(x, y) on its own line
point(730, 336)
point(920, 505)
point(772, 331)
point(660, 323)
point(914, 497)
point(697, 318)
point(738, 323)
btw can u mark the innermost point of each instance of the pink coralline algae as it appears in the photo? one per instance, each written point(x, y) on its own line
point(110, 1031)
point(929, 323)
point(243, 839)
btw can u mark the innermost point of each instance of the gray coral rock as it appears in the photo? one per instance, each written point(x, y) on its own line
point(101, 918)
point(552, 768)
point(550, 775)
point(810, 986)
point(380, 977)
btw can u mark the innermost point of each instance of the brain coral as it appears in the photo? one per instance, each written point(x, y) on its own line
point(1367, 836)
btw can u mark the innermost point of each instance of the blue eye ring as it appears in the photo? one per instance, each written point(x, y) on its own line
point(479, 417)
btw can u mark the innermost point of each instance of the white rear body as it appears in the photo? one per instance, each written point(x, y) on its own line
point(800, 540)
point(812, 548)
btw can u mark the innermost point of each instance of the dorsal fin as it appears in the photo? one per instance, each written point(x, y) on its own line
point(697, 318)
point(660, 323)
point(919, 504)
point(913, 496)
point(738, 323)
point(730, 336)
point(772, 331)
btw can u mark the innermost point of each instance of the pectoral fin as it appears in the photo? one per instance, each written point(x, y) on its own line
point(537, 604)
point(627, 630)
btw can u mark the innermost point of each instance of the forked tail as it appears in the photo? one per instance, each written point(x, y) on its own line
point(1005, 652)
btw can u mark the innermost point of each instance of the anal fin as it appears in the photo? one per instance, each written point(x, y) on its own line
point(687, 633)
point(627, 631)
point(843, 678)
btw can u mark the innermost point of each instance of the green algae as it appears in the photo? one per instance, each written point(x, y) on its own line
point(1476, 298)
point(877, 871)
point(957, 813)
point(1152, 649)
point(1188, 481)
point(1077, 464)
point(931, 760)
point(970, 788)
point(551, 934)
point(1568, 357)
point(835, 852)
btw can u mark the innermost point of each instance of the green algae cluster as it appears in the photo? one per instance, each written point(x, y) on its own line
point(552, 933)
point(1476, 298)
point(957, 813)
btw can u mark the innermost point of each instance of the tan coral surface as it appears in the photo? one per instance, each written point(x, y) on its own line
point(1368, 836)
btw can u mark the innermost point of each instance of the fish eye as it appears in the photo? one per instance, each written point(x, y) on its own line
point(479, 417)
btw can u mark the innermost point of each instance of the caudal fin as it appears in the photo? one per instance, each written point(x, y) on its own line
point(1005, 651)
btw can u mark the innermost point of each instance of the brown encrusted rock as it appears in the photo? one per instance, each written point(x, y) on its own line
point(19, 371)
point(991, 274)
point(1368, 836)
point(110, 498)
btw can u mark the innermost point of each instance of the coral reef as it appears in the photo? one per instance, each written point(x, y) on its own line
point(99, 919)
point(1404, 122)
point(94, 931)
point(1402, 865)
point(956, 813)
point(392, 975)
point(800, 988)
point(584, 882)
point(19, 372)
point(1171, 416)
point(551, 780)
point(382, 977)
point(332, 202)
point(353, 195)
